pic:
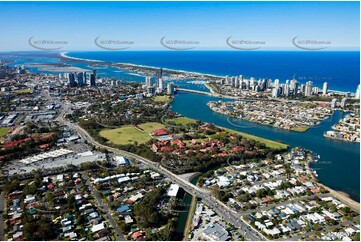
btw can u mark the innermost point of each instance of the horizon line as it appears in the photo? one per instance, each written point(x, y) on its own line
point(193, 50)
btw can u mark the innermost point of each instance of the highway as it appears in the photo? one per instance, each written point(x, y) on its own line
point(221, 209)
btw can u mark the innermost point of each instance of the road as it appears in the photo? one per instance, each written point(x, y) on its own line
point(104, 208)
point(118, 234)
point(224, 211)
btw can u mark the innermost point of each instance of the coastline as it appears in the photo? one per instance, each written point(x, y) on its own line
point(339, 139)
point(267, 142)
point(64, 55)
point(342, 196)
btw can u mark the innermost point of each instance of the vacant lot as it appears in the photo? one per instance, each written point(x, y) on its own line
point(3, 131)
point(22, 91)
point(161, 99)
point(128, 134)
point(300, 129)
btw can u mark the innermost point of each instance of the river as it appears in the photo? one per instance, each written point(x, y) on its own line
point(339, 165)
point(182, 219)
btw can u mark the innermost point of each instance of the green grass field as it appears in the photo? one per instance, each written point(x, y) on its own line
point(3, 131)
point(161, 99)
point(22, 91)
point(189, 218)
point(181, 120)
point(127, 134)
point(267, 142)
point(300, 129)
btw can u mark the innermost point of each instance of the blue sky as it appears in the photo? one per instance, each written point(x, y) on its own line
point(207, 23)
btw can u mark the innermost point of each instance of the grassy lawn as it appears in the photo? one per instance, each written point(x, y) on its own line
point(300, 129)
point(3, 131)
point(161, 99)
point(127, 134)
point(22, 91)
point(267, 142)
point(181, 120)
point(190, 216)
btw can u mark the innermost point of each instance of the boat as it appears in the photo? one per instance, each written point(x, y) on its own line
point(315, 173)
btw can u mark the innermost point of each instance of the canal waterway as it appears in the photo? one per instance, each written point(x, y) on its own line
point(339, 165)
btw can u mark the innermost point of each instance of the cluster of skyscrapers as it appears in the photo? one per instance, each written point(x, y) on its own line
point(262, 85)
point(287, 89)
point(155, 84)
point(80, 79)
point(247, 84)
point(291, 87)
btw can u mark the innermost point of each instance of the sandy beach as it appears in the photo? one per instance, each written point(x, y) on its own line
point(63, 54)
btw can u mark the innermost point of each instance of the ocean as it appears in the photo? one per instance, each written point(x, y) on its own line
point(340, 69)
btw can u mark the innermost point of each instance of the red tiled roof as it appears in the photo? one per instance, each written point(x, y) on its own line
point(15, 143)
point(302, 179)
point(51, 186)
point(159, 132)
point(166, 148)
point(236, 149)
point(137, 234)
point(45, 146)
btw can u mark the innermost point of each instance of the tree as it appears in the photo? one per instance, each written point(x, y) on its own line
point(49, 197)
point(39, 230)
point(146, 211)
point(29, 189)
point(356, 237)
point(288, 170)
point(316, 227)
point(71, 202)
